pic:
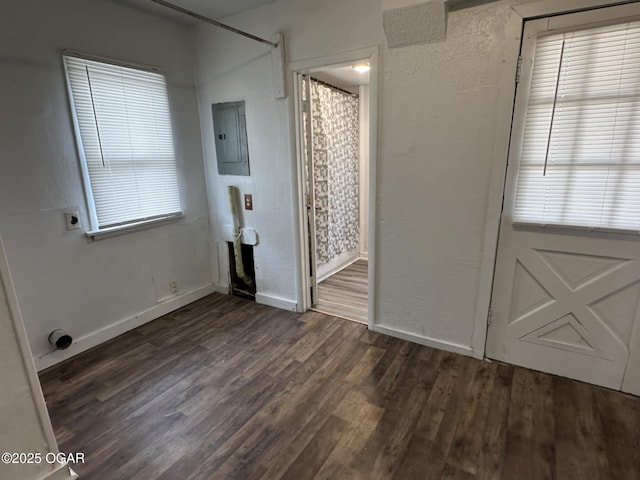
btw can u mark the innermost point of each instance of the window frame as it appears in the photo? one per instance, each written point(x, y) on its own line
point(95, 232)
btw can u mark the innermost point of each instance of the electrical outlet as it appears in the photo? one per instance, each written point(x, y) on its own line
point(72, 219)
point(248, 201)
point(173, 286)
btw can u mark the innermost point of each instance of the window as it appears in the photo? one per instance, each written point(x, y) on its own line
point(580, 156)
point(125, 139)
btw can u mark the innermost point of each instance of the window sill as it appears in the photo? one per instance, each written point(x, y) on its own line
point(576, 228)
point(94, 235)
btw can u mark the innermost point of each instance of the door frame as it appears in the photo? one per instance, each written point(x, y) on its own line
point(518, 15)
point(33, 414)
point(309, 198)
point(308, 66)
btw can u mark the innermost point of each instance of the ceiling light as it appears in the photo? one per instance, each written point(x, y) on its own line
point(362, 67)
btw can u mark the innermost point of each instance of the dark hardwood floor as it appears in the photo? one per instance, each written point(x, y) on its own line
point(228, 389)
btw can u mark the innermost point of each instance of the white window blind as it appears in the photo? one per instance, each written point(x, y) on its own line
point(124, 124)
point(583, 126)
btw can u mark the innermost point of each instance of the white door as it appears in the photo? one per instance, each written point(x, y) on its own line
point(567, 280)
point(306, 129)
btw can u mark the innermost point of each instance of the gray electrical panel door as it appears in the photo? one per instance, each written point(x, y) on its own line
point(230, 130)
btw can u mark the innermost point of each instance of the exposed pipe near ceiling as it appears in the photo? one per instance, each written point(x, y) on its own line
point(202, 18)
point(277, 51)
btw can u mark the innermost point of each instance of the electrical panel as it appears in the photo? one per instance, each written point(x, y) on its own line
point(230, 130)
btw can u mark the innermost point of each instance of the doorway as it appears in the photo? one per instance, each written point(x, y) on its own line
point(334, 152)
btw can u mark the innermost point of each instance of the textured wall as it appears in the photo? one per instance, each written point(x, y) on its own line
point(414, 24)
point(439, 109)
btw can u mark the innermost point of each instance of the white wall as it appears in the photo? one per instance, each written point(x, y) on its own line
point(437, 115)
point(24, 423)
point(93, 290)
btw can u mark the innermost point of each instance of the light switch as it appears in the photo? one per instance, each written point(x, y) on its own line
point(248, 201)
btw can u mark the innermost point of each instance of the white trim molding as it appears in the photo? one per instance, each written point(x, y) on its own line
point(132, 227)
point(62, 472)
point(281, 303)
point(507, 89)
point(537, 8)
point(351, 258)
point(465, 350)
point(107, 333)
point(544, 8)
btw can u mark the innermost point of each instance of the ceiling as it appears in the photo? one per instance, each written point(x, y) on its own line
point(214, 9)
point(344, 77)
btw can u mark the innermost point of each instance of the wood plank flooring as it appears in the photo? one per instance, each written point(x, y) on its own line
point(228, 389)
point(346, 293)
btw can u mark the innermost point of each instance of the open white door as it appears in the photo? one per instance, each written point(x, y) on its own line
point(309, 195)
point(567, 280)
point(24, 425)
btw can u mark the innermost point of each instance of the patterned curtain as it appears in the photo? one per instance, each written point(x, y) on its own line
point(335, 127)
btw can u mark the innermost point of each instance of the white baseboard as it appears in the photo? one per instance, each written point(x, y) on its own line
point(337, 264)
point(63, 472)
point(276, 302)
point(429, 342)
point(364, 256)
point(107, 333)
point(338, 269)
point(222, 289)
